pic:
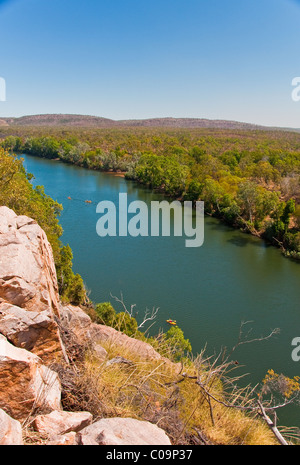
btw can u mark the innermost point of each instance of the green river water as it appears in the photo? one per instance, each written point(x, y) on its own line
point(209, 290)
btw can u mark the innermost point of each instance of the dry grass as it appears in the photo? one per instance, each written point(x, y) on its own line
point(155, 391)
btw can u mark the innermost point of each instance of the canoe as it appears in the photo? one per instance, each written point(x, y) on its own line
point(171, 322)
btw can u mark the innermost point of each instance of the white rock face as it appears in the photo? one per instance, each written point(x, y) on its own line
point(27, 271)
point(33, 331)
point(123, 432)
point(75, 319)
point(61, 422)
point(10, 431)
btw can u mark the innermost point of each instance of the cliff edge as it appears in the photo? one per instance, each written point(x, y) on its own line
point(38, 336)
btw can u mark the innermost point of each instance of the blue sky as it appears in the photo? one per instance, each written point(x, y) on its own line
point(126, 59)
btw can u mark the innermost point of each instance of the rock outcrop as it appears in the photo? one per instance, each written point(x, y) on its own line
point(59, 422)
point(122, 432)
point(30, 330)
point(80, 324)
point(27, 270)
point(26, 385)
point(34, 329)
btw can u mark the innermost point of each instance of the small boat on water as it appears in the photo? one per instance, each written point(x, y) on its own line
point(88, 201)
point(172, 322)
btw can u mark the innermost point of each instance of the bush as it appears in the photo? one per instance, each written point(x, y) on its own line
point(71, 287)
point(178, 345)
point(105, 314)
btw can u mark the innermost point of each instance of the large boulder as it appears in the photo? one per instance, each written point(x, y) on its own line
point(95, 335)
point(76, 320)
point(10, 431)
point(59, 422)
point(26, 385)
point(123, 432)
point(110, 336)
point(33, 331)
point(27, 270)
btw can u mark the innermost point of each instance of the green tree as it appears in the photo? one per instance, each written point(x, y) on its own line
point(178, 345)
point(288, 211)
point(248, 195)
point(194, 190)
point(106, 314)
point(71, 286)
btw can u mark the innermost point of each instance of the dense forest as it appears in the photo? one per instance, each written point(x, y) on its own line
point(249, 179)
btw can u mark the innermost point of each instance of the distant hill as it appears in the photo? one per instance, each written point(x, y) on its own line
point(57, 120)
point(69, 120)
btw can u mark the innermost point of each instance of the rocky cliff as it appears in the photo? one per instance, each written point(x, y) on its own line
point(37, 334)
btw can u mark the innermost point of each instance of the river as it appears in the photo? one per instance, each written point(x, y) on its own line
point(209, 290)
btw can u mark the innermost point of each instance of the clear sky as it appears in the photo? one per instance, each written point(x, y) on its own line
point(126, 59)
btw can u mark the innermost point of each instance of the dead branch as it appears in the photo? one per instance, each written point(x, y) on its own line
point(272, 425)
point(148, 316)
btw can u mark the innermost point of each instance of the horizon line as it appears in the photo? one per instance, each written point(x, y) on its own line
point(152, 118)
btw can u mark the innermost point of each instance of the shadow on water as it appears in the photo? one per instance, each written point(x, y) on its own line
point(245, 240)
point(238, 237)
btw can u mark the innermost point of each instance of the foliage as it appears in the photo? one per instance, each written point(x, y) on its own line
point(179, 346)
point(287, 387)
point(121, 321)
point(105, 313)
point(153, 390)
point(71, 285)
point(250, 179)
point(172, 342)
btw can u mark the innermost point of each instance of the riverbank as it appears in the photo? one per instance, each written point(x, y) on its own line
point(268, 236)
point(248, 179)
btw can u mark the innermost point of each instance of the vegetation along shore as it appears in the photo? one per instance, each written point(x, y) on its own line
point(248, 178)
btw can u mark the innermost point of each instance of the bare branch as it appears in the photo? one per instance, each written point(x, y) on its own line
point(242, 340)
point(272, 425)
point(121, 301)
point(148, 316)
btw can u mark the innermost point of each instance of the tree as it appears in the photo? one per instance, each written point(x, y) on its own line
point(17, 193)
point(71, 285)
point(248, 195)
point(105, 313)
point(178, 345)
point(287, 213)
point(213, 194)
point(194, 190)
